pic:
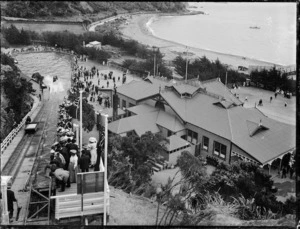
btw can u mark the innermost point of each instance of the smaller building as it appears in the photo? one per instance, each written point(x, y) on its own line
point(94, 44)
point(174, 146)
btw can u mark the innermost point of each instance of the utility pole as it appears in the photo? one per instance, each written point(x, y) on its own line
point(154, 60)
point(186, 67)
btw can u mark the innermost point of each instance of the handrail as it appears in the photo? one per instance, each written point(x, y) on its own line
point(15, 131)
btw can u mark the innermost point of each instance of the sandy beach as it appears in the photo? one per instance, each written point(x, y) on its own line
point(136, 29)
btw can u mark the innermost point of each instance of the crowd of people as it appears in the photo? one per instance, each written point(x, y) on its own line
point(65, 158)
point(82, 79)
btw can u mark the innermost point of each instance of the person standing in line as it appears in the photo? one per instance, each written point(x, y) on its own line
point(84, 162)
point(73, 166)
point(285, 104)
point(10, 201)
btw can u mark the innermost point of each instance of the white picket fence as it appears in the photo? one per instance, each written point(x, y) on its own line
point(15, 131)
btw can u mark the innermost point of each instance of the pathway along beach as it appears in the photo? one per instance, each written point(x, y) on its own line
point(136, 29)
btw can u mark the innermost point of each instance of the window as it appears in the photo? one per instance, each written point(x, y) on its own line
point(205, 143)
point(220, 150)
point(192, 136)
point(124, 104)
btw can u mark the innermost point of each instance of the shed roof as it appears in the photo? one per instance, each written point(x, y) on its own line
point(176, 142)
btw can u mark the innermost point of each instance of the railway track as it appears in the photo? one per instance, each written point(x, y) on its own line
point(29, 145)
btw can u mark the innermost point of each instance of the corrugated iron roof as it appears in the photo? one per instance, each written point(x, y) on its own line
point(142, 109)
point(138, 90)
point(169, 122)
point(233, 124)
point(217, 87)
point(266, 144)
point(109, 112)
point(185, 88)
point(139, 123)
point(176, 142)
point(200, 112)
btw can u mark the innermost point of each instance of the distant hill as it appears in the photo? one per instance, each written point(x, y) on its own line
point(38, 9)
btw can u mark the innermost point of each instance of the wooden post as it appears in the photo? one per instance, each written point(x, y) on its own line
point(81, 177)
point(105, 167)
point(80, 120)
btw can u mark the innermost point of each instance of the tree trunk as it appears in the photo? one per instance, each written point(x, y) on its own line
point(163, 216)
point(157, 212)
point(172, 217)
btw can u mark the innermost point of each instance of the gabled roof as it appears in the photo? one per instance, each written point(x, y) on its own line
point(217, 87)
point(185, 88)
point(142, 109)
point(138, 90)
point(139, 123)
point(200, 112)
point(225, 104)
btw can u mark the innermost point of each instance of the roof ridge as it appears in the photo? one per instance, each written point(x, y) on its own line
point(210, 80)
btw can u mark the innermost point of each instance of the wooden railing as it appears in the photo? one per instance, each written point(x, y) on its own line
point(15, 131)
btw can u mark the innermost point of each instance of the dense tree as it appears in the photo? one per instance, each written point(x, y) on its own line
point(17, 92)
point(272, 80)
point(206, 69)
point(31, 9)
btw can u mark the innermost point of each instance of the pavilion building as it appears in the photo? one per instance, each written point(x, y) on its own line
point(206, 116)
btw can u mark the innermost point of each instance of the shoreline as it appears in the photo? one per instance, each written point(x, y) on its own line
point(137, 29)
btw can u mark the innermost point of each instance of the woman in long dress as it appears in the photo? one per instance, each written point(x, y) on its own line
point(73, 166)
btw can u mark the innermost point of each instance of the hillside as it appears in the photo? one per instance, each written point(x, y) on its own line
point(41, 9)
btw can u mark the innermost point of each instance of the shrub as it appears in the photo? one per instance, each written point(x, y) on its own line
point(212, 161)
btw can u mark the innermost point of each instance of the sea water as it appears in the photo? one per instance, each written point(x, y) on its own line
point(225, 28)
point(48, 65)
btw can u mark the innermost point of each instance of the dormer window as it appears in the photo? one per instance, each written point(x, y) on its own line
point(186, 95)
point(225, 104)
point(256, 128)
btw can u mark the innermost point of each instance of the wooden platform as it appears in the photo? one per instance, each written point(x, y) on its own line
point(68, 203)
point(71, 190)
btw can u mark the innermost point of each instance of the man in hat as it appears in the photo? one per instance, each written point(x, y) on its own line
point(10, 201)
